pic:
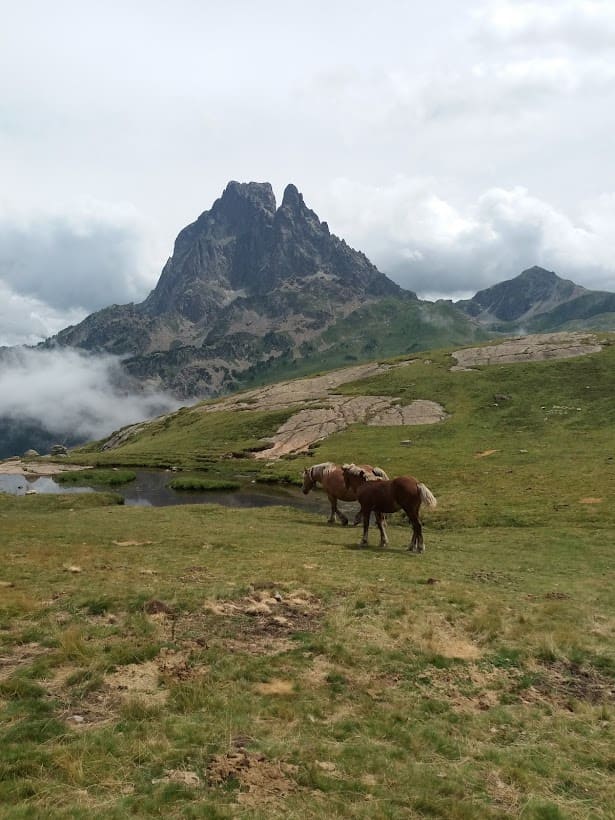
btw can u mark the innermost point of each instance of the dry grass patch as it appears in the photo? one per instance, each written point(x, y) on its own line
point(20, 656)
point(468, 688)
point(504, 795)
point(277, 686)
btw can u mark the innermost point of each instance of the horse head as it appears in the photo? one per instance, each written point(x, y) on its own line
point(353, 475)
point(308, 480)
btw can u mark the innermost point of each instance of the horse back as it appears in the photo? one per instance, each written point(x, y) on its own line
point(389, 496)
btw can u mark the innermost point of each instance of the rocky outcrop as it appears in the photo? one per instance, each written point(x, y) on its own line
point(537, 348)
point(248, 281)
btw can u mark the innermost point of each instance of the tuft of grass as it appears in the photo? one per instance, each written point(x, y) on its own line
point(110, 478)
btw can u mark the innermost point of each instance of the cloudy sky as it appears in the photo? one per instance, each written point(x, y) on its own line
point(455, 143)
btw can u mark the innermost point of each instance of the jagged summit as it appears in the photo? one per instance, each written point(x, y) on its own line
point(245, 243)
point(246, 279)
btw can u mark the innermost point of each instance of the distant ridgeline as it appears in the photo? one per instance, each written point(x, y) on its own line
point(254, 293)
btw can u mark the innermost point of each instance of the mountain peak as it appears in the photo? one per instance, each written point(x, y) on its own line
point(534, 291)
point(254, 195)
point(247, 283)
point(536, 272)
point(292, 198)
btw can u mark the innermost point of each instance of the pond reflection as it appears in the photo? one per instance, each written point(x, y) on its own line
point(149, 489)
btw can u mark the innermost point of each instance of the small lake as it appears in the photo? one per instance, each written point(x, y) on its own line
point(149, 490)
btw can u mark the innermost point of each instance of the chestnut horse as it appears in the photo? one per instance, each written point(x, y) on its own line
point(331, 478)
point(380, 497)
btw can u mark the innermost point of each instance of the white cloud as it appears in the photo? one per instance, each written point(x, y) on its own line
point(452, 100)
point(24, 320)
point(83, 258)
point(66, 390)
point(583, 24)
point(431, 245)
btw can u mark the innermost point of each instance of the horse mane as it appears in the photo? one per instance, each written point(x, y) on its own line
point(352, 469)
point(376, 474)
point(322, 469)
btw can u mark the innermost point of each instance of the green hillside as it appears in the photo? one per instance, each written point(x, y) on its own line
point(389, 327)
point(198, 661)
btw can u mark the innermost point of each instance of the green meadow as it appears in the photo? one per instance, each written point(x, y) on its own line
point(202, 662)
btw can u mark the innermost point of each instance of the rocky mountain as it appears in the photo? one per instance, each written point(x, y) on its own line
point(256, 292)
point(539, 300)
point(248, 283)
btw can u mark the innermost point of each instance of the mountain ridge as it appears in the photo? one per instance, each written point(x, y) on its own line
point(246, 281)
point(537, 299)
point(255, 290)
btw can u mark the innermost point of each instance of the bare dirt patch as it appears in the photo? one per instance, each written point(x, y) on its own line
point(263, 621)
point(90, 706)
point(534, 348)
point(259, 780)
point(561, 682)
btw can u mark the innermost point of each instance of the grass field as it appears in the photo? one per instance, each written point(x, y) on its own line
point(199, 662)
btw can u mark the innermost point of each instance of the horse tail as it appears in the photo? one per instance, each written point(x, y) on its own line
point(427, 497)
point(378, 471)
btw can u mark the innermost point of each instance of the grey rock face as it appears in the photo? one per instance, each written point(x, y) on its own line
point(247, 281)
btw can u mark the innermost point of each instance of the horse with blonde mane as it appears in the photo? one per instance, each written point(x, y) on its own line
point(331, 478)
point(381, 497)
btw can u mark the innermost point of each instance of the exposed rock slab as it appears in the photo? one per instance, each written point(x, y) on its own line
point(312, 424)
point(308, 426)
point(21, 467)
point(536, 348)
point(298, 391)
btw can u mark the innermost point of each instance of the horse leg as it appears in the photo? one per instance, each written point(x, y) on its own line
point(380, 521)
point(358, 517)
point(365, 514)
point(416, 544)
point(336, 512)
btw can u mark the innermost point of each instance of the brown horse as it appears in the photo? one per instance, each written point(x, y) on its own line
point(380, 497)
point(331, 478)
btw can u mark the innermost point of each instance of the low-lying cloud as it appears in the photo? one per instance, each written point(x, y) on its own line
point(70, 392)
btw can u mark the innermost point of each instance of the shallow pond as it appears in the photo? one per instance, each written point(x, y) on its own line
point(149, 490)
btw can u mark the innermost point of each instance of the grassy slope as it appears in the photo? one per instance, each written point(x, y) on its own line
point(474, 681)
point(391, 327)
